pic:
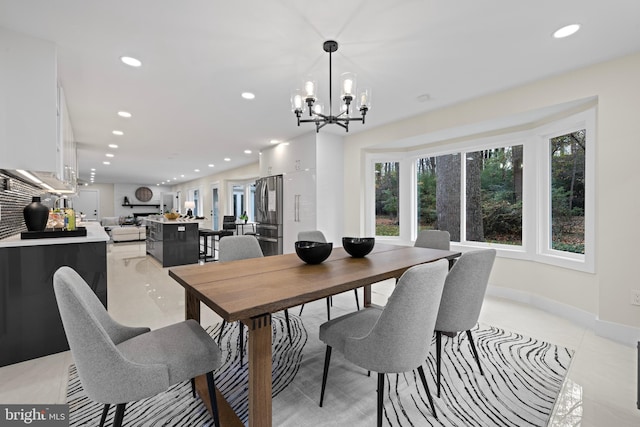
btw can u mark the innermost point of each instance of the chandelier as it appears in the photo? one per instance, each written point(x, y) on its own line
point(302, 100)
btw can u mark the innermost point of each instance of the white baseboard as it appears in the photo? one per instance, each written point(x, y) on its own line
point(618, 332)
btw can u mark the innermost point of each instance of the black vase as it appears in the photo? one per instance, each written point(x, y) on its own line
point(35, 215)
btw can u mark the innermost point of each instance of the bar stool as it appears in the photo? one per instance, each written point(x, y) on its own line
point(207, 233)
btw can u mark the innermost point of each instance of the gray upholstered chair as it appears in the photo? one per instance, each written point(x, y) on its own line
point(388, 340)
point(318, 236)
point(119, 364)
point(462, 299)
point(234, 248)
point(434, 239)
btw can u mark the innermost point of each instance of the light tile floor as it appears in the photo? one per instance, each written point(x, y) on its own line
point(600, 389)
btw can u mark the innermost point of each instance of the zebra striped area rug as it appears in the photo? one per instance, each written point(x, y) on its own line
point(522, 379)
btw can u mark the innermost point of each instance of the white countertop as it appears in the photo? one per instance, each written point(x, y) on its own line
point(95, 233)
point(175, 221)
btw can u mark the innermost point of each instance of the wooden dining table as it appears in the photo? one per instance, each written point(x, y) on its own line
point(251, 290)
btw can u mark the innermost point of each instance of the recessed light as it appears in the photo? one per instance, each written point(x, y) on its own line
point(211, 165)
point(182, 176)
point(113, 145)
point(124, 114)
point(196, 170)
point(247, 151)
point(133, 62)
point(566, 31)
point(226, 159)
point(109, 155)
point(106, 163)
point(118, 132)
point(93, 169)
point(248, 95)
point(274, 141)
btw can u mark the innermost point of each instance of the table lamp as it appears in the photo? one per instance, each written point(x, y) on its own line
point(189, 205)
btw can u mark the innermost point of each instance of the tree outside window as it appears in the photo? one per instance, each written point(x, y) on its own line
point(568, 191)
point(438, 180)
point(494, 195)
point(387, 198)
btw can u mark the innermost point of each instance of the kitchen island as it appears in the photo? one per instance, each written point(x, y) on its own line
point(173, 242)
point(30, 324)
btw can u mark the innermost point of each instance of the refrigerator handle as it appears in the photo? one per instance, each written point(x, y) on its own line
point(297, 206)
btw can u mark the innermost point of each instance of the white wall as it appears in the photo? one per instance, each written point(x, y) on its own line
point(129, 190)
point(616, 84)
point(204, 184)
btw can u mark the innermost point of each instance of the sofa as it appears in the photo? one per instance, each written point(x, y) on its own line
point(123, 233)
point(127, 233)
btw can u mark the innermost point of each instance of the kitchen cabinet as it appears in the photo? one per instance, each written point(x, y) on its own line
point(313, 185)
point(30, 324)
point(173, 242)
point(299, 206)
point(35, 129)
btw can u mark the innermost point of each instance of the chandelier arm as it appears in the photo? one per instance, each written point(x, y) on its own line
point(320, 126)
point(344, 125)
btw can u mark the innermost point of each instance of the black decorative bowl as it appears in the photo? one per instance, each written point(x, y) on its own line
point(358, 247)
point(313, 252)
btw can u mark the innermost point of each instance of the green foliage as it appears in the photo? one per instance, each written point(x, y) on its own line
point(502, 218)
point(387, 230)
point(577, 248)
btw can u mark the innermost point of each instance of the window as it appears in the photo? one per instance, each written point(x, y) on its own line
point(494, 195)
point(387, 197)
point(567, 190)
point(528, 193)
point(196, 200)
point(438, 191)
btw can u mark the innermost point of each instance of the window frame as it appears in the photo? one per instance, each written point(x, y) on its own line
point(536, 193)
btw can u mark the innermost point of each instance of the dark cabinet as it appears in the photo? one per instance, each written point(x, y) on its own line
point(173, 243)
point(30, 324)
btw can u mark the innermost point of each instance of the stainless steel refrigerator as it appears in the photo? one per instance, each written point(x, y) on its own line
point(268, 215)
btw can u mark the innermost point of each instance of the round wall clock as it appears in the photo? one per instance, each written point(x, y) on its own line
point(144, 194)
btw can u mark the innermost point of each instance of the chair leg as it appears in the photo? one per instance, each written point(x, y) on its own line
point(357, 300)
point(224, 323)
point(286, 316)
point(119, 416)
point(328, 308)
point(211, 385)
point(241, 343)
point(105, 410)
point(475, 353)
point(193, 387)
point(438, 353)
point(426, 388)
point(327, 359)
point(380, 397)
point(301, 308)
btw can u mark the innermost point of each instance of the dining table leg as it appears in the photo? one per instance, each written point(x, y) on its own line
point(227, 416)
point(259, 370)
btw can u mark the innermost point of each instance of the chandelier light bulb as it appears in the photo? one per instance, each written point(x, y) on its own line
point(297, 101)
point(364, 100)
point(310, 88)
point(348, 84)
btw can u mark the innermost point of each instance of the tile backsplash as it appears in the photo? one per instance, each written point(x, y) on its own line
point(13, 201)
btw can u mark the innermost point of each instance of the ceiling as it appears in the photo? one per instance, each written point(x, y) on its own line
point(199, 55)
